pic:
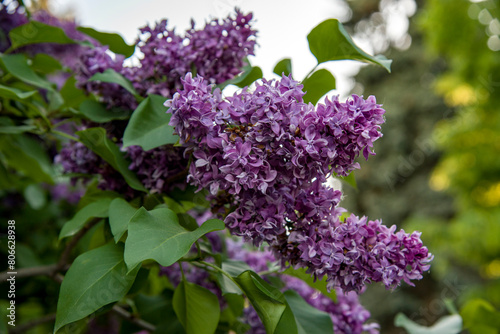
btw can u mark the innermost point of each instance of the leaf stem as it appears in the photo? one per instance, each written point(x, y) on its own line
point(310, 72)
point(223, 272)
point(133, 319)
point(65, 135)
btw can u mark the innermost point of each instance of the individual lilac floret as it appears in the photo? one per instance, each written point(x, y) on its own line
point(272, 153)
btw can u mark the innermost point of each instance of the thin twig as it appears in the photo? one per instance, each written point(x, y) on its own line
point(47, 270)
point(130, 317)
point(24, 327)
point(65, 256)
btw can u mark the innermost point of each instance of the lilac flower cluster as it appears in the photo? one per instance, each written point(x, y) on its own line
point(97, 60)
point(159, 169)
point(354, 252)
point(273, 153)
point(217, 52)
point(76, 158)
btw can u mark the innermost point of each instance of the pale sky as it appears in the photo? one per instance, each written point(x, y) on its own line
point(283, 25)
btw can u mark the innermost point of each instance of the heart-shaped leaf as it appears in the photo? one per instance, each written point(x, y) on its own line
point(157, 235)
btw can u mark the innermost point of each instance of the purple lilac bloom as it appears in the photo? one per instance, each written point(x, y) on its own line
point(158, 169)
point(97, 60)
point(76, 158)
point(219, 49)
point(217, 52)
point(272, 153)
point(64, 191)
point(167, 58)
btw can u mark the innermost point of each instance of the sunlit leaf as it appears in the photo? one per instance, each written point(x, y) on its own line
point(329, 41)
point(309, 319)
point(96, 112)
point(283, 67)
point(120, 213)
point(99, 209)
point(317, 85)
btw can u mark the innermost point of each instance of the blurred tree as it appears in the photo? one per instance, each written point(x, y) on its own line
point(437, 168)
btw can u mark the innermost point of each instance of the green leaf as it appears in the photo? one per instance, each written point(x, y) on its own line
point(349, 179)
point(120, 213)
point(317, 85)
point(17, 65)
point(158, 310)
point(45, 64)
point(247, 77)
point(14, 93)
point(96, 112)
point(97, 209)
point(16, 129)
point(157, 235)
point(309, 319)
point(480, 317)
point(196, 308)
point(35, 196)
point(319, 285)
point(234, 268)
point(96, 140)
point(111, 76)
point(71, 95)
point(330, 41)
point(269, 302)
point(114, 41)
point(148, 127)
point(27, 156)
point(95, 279)
point(35, 32)
point(450, 324)
point(283, 67)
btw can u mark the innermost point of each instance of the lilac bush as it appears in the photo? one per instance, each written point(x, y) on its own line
point(260, 161)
